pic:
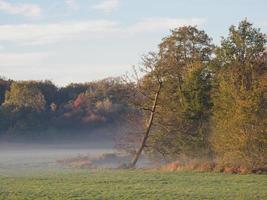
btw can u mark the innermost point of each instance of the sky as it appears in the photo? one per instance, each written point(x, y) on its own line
point(85, 40)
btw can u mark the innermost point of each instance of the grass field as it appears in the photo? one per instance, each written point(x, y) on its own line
point(135, 185)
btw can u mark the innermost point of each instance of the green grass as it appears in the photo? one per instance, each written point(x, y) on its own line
point(135, 185)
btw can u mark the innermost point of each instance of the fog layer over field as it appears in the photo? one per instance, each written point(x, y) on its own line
point(24, 157)
point(18, 157)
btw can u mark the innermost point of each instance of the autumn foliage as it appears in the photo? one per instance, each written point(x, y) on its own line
point(210, 113)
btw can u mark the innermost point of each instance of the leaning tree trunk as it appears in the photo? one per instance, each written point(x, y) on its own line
point(148, 128)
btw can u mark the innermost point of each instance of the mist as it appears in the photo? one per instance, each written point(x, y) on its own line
point(19, 156)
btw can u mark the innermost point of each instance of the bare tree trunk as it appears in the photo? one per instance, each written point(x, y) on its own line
point(149, 125)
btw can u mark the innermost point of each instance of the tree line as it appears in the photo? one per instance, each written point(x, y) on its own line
point(30, 108)
point(194, 99)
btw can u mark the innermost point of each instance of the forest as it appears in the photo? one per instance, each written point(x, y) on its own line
point(211, 101)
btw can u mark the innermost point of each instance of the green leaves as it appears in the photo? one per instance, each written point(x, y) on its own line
point(185, 105)
point(25, 94)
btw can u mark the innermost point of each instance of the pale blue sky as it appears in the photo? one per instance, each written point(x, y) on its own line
point(84, 40)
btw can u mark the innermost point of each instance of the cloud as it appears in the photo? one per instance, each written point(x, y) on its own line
point(163, 24)
point(107, 5)
point(72, 4)
point(63, 67)
point(40, 34)
point(29, 10)
point(17, 59)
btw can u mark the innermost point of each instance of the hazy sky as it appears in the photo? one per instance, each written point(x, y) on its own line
point(82, 40)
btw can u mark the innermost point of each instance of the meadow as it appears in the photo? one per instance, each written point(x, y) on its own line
point(131, 185)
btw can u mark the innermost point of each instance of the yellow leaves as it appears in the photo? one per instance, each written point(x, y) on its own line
point(105, 105)
point(238, 128)
point(25, 94)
